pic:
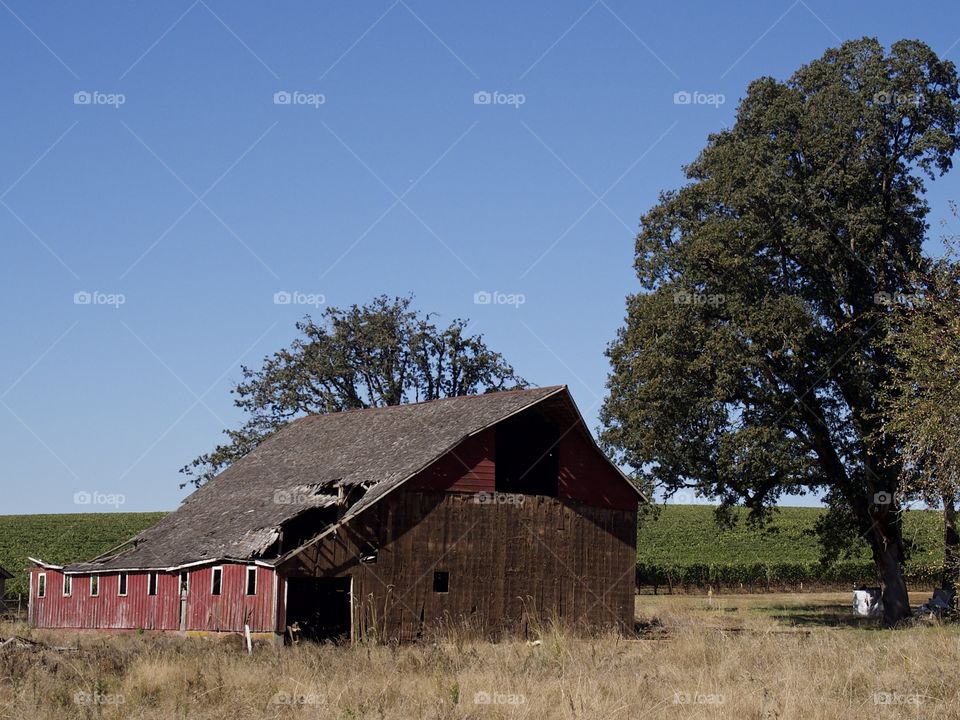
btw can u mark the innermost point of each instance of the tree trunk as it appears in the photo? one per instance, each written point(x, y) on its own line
point(951, 550)
point(886, 543)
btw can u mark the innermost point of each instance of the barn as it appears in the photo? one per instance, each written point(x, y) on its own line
point(4, 576)
point(489, 513)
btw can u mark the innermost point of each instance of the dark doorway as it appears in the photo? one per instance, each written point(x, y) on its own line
point(320, 607)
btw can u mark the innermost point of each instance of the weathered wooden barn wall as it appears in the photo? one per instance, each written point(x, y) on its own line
point(138, 610)
point(509, 564)
point(233, 607)
point(107, 610)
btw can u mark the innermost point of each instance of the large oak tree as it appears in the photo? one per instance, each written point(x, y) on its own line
point(750, 361)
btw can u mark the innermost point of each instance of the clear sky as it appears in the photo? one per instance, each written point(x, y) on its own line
point(146, 158)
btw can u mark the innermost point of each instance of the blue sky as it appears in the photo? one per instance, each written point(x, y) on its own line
point(174, 182)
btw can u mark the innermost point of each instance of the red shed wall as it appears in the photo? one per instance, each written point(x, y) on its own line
point(108, 610)
point(233, 607)
point(137, 610)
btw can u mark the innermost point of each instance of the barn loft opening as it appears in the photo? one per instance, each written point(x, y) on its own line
point(527, 455)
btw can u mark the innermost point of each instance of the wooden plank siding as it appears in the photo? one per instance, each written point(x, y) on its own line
point(509, 565)
point(138, 610)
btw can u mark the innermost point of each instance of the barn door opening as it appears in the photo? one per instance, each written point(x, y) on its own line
point(320, 607)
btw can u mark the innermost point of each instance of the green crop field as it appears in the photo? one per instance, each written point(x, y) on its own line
point(681, 546)
point(63, 538)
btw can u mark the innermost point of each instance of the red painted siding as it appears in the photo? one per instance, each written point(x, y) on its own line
point(469, 467)
point(107, 610)
point(136, 610)
point(586, 476)
point(233, 607)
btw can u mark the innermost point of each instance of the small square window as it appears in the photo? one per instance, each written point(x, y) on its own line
point(441, 581)
point(122, 585)
point(94, 585)
point(42, 585)
point(152, 583)
point(67, 585)
point(251, 580)
point(216, 581)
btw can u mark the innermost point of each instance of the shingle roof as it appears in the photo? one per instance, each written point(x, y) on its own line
point(238, 514)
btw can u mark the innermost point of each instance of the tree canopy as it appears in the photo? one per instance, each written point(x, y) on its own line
point(382, 353)
point(751, 359)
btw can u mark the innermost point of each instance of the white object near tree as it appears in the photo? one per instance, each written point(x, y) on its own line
point(867, 602)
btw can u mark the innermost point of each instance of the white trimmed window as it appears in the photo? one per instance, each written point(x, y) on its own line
point(67, 585)
point(151, 583)
point(122, 585)
point(216, 581)
point(94, 585)
point(41, 585)
point(251, 580)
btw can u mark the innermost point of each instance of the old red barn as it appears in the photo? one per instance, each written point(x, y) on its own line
point(490, 511)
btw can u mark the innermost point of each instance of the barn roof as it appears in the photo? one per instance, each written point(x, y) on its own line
point(4, 574)
point(238, 514)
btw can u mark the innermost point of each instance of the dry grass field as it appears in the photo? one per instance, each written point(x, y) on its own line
point(733, 656)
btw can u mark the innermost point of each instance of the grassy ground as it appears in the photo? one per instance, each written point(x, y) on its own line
point(757, 656)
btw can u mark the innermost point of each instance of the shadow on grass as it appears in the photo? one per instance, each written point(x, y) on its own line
point(813, 615)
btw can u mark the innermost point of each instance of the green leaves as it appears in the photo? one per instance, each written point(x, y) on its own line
point(793, 222)
point(383, 353)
